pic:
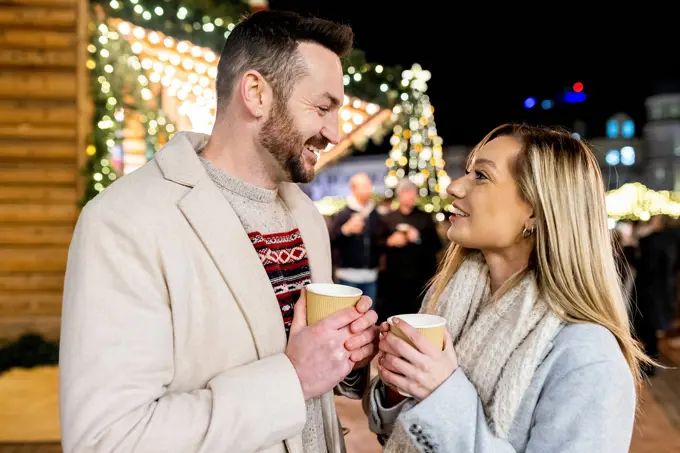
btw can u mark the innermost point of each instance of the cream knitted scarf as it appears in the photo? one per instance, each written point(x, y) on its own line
point(499, 345)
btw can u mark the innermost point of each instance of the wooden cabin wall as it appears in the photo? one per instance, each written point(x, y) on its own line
point(44, 115)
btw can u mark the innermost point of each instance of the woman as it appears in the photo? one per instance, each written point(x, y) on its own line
point(538, 356)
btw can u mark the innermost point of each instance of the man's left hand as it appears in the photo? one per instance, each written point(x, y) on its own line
point(363, 344)
point(413, 235)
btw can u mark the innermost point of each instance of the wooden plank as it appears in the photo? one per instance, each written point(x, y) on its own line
point(52, 113)
point(55, 175)
point(49, 447)
point(13, 307)
point(40, 2)
point(41, 303)
point(32, 281)
point(37, 131)
point(13, 327)
point(83, 101)
point(43, 193)
point(38, 58)
point(32, 235)
point(29, 39)
point(41, 86)
point(38, 213)
point(37, 151)
point(33, 259)
point(36, 16)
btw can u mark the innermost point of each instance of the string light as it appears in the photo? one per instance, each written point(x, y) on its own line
point(634, 201)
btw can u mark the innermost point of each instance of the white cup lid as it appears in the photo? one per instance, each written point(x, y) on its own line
point(420, 320)
point(332, 289)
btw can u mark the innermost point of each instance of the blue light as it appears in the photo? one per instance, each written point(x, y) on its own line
point(530, 103)
point(628, 129)
point(547, 104)
point(612, 128)
point(627, 155)
point(612, 157)
point(573, 98)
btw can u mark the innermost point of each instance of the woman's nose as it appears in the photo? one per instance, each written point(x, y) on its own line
point(457, 188)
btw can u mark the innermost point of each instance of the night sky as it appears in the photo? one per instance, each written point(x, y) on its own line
point(482, 72)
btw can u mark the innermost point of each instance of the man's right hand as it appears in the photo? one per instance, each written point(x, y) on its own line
point(318, 352)
point(397, 239)
point(354, 225)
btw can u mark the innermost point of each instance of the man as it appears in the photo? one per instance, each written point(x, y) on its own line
point(411, 253)
point(356, 233)
point(179, 333)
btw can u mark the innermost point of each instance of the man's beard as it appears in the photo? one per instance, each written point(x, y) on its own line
point(282, 139)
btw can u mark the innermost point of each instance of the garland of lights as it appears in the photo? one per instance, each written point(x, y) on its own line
point(374, 82)
point(118, 85)
point(207, 24)
point(635, 201)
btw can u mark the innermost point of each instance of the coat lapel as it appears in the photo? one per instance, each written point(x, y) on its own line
point(314, 235)
point(222, 234)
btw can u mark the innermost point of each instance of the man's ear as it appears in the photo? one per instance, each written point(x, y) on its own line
point(255, 94)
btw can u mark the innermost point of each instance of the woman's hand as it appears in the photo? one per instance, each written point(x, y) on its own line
point(417, 371)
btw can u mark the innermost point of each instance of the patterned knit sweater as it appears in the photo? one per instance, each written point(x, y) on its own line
point(278, 242)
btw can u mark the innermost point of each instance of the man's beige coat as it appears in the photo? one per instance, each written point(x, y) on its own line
point(172, 337)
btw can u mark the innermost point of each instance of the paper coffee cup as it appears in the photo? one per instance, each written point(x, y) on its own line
point(432, 327)
point(324, 299)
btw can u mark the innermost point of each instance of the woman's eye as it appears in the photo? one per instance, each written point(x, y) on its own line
point(478, 174)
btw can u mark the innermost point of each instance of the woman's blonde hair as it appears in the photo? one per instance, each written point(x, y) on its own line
point(560, 178)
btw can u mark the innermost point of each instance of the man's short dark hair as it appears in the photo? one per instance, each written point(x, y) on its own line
point(267, 42)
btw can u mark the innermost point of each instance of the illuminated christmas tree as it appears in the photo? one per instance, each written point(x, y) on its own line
point(416, 147)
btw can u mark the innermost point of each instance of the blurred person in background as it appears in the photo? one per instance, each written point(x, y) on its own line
point(385, 206)
point(357, 237)
point(411, 251)
point(654, 292)
point(625, 251)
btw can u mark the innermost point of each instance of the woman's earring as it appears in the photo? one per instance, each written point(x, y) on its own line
point(527, 232)
point(258, 113)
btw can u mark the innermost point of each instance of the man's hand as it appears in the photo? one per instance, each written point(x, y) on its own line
point(363, 345)
point(318, 352)
point(397, 239)
point(354, 225)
